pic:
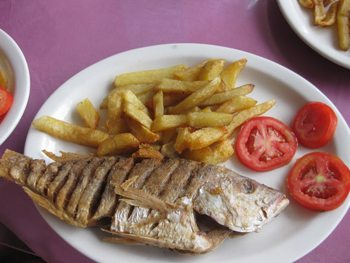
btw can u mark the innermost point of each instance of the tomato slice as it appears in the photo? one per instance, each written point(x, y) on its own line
point(6, 101)
point(314, 124)
point(265, 143)
point(319, 181)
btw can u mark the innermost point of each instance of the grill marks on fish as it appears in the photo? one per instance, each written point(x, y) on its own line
point(116, 176)
point(169, 221)
point(66, 191)
point(150, 201)
point(93, 191)
point(43, 182)
point(140, 173)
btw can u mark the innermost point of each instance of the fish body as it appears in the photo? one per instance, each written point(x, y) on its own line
point(148, 201)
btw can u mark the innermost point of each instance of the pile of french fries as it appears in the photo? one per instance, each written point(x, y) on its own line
point(180, 111)
point(330, 12)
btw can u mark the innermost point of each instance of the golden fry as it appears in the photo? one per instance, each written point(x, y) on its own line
point(142, 133)
point(158, 104)
point(217, 153)
point(343, 24)
point(196, 97)
point(227, 95)
point(168, 150)
point(245, 115)
point(118, 144)
point(211, 69)
point(88, 113)
point(204, 137)
point(230, 73)
point(146, 97)
point(181, 139)
point(236, 104)
point(166, 122)
point(147, 76)
point(171, 99)
point(147, 151)
point(190, 74)
point(115, 123)
point(208, 119)
point(138, 89)
point(70, 132)
point(133, 112)
point(129, 97)
point(180, 86)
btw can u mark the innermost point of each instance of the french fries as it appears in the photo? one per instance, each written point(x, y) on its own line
point(147, 76)
point(208, 119)
point(343, 24)
point(180, 86)
point(158, 104)
point(166, 122)
point(211, 69)
point(147, 151)
point(179, 111)
point(230, 73)
point(118, 144)
point(217, 153)
point(133, 112)
point(142, 133)
point(70, 132)
point(190, 74)
point(235, 104)
point(196, 97)
point(226, 95)
point(88, 113)
point(332, 12)
point(247, 114)
point(204, 137)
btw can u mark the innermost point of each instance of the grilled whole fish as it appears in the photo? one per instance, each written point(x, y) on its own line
point(149, 201)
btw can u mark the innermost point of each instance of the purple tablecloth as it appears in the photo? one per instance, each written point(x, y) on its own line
point(60, 38)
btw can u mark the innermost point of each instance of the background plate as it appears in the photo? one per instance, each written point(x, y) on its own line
point(295, 228)
point(322, 40)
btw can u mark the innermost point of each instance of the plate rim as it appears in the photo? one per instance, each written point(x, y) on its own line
point(187, 45)
point(320, 49)
point(19, 66)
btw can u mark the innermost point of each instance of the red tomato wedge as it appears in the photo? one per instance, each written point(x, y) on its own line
point(319, 181)
point(314, 124)
point(6, 101)
point(265, 143)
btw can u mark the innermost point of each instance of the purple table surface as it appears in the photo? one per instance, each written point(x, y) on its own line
point(60, 38)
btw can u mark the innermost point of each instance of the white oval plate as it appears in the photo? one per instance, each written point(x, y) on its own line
point(288, 237)
point(322, 40)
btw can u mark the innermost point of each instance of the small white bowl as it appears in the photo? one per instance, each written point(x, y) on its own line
point(15, 66)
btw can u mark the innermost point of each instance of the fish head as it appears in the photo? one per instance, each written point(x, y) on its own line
point(237, 202)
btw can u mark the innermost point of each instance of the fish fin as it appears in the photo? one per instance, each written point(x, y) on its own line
point(66, 156)
point(144, 199)
point(218, 236)
point(121, 240)
point(45, 203)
